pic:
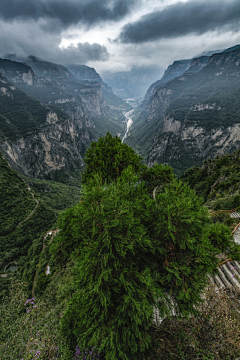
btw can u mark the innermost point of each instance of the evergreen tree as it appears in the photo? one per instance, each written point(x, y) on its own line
point(133, 252)
point(112, 308)
point(108, 157)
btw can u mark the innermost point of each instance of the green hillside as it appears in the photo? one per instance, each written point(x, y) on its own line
point(28, 208)
point(217, 181)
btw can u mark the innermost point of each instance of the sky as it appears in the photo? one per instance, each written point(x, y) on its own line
point(116, 35)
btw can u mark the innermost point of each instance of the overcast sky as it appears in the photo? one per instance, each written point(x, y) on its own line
point(114, 35)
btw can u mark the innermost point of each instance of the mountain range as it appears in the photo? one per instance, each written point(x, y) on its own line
point(192, 113)
point(50, 114)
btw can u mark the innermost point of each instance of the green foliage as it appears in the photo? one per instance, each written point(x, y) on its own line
point(108, 157)
point(32, 334)
point(56, 195)
point(28, 208)
point(185, 241)
point(222, 239)
point(24, 216)
point(217, 181)
point(131, 252)
point(16, 202)
point(110, 277)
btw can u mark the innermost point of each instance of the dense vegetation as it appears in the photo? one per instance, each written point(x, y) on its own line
point(137, 235)
point(217, 181)
point(106, 218)
point(28, 208)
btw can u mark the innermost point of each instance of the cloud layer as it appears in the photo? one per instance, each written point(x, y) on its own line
point(180, 19)
point(149, 33)
point(66, 13)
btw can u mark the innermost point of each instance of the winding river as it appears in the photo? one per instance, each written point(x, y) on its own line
point(129, 122)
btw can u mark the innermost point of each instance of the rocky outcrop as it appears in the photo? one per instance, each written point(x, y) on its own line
point(197, 64)
point(88, 76)
point(183, 145)
point(85, 73)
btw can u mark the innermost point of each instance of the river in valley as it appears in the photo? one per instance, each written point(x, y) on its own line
point(128, 116)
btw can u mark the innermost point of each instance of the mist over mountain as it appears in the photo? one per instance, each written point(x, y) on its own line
point(133, 83)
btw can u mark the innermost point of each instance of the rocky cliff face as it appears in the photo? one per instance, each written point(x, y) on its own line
point(88, 76)
point(83, 72)
point(173, 71)
point(182, 145)
point(41, 154)
point(197, 114)
point(197, 64)
point(53, 79)
point(38, 140)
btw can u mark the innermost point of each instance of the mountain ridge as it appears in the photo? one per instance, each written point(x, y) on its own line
point(194, 99)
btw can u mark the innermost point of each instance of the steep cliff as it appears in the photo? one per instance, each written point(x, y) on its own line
point(40, 140)
point(89, 76)
point(57, 80)
point(197, 116)
point(173, 71)
point(197, 64)
point(83, 72)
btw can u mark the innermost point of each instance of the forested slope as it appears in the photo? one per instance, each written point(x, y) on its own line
point(28, 208)
point(217, 181)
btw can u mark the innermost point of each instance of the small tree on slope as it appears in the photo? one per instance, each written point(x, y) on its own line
point(131, 251)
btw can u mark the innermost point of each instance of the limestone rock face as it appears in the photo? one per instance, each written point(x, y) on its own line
point(83, 72)
point(173, 71)
point(54, 84)
point(56, 146)
point(38, 140)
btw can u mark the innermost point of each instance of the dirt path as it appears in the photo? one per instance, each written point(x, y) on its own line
point(31, 212)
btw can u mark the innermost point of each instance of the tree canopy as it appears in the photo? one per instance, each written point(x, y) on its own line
point(108, 157)
point(132, 253)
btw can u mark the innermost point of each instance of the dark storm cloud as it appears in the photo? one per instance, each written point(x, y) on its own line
point(65, 12)
point(19, 42)
point(85, 52)
point(194, 16)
